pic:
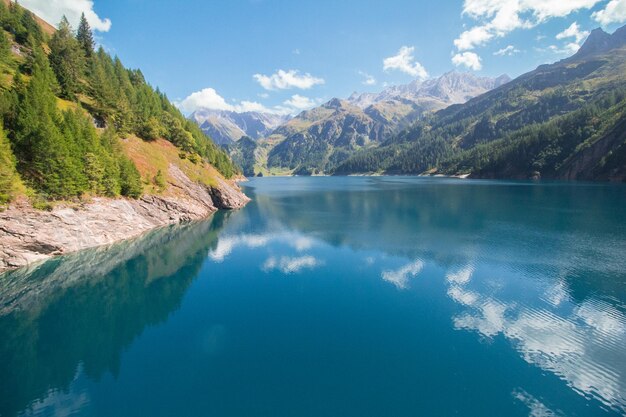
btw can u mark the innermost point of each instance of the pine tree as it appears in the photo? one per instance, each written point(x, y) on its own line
point(67, 60)
point(47, 159)
point(85, 36)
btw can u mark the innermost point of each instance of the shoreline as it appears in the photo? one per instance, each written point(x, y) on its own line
point(29, 236)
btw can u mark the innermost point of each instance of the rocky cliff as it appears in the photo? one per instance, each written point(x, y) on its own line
point(28, 235)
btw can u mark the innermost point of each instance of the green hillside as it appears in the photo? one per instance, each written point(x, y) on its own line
point(64, 107)
point(561, 121)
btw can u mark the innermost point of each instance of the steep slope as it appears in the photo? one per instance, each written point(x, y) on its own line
point(318, 140)
point(559, 121)
point(226, 127)
point(91, 143)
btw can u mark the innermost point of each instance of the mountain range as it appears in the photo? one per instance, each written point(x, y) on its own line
point(226, 127)
point(565, 120)
point(319, 139)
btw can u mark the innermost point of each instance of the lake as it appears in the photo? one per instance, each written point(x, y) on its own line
point(381, 296)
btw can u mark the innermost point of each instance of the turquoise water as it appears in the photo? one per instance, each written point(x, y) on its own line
point(336, 297)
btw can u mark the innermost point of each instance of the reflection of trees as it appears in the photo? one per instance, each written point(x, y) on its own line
point(86, 308)
point(456, 222)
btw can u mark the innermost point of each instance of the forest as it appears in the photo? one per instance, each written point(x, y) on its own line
point(65, 107)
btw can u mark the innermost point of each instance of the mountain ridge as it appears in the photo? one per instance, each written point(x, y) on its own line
point(226, 127)
point(560, 121)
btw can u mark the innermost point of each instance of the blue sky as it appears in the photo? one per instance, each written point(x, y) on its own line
point(284, 56)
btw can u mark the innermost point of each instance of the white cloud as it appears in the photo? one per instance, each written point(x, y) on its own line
point(53, 10)
point(614, 12)
point(285, 80)
point(288, 265)
point(573, 32)
point(508, 51)
point(400, 277)
point(299, 102)
point(468, 59)
point(367, 78)
point(568, 49)
point(405, 61)
point(210, 99)
point(206, 98)
point(476, 36)
point(500, 17)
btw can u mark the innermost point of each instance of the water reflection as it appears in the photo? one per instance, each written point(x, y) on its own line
point(581, 343)
point(72, 317)
point(337, 296)
point(565, 243)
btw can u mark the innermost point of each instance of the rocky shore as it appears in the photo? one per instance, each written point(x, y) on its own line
point(28, 235)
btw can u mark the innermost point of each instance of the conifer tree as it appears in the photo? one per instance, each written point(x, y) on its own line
point(48, 159)
point(67, 60)
point(85, 36)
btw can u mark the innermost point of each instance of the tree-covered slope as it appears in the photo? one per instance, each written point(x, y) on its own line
point(563, 120)
point(64, 107)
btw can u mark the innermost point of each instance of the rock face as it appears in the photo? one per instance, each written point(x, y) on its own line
point(28, 235)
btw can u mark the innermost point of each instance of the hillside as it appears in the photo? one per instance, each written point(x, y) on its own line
point(67, 109)
point(90, 153)
point(563, 121)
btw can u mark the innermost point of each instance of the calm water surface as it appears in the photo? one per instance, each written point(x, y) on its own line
point(336, 297)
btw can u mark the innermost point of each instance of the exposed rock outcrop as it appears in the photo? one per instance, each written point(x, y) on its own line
point(28, 235)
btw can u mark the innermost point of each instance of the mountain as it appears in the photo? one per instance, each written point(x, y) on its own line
point(451, 88)
point(565, 120)
point(226, 127)
point(319, 139)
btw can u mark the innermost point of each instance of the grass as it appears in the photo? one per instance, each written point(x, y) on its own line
point(155, 156)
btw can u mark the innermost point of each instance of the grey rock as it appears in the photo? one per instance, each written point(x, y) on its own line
point(28, 235)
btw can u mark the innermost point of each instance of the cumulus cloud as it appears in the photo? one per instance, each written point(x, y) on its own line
point(400, 277)
point(299, 102)
point(405, 61)
point(206, 98)
point(500, 17)
point(573, 32)
point(367, 78)
point(53, 10)
point(614, 12)
point(470, 60)
point(210, 99)
point(286, 80)
point(288, 265)
point(507, 51)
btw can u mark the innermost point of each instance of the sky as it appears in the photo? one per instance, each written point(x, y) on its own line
point(284, 56)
